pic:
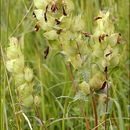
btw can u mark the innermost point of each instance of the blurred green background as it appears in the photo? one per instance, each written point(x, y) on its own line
point(53, 82)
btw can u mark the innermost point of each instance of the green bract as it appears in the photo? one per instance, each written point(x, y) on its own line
point(28, 74)
point(28, 101)
point(85, 88)
point(97, 81)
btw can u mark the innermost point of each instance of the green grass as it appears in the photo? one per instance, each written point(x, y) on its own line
point(51, 75)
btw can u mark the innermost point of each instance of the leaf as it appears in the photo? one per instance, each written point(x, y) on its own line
point(80, 96)
point(26, 118)
point(50, 71)
point(38, 121)
point(119, 115)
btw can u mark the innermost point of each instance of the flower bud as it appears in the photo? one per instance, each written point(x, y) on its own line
point(10, 65)
point(40, 4)
point(13, 41)
point(25, 90)
point(51, 35)
point(77, 24)
point(98, 52)
point(13, 52)
point(115, 60)
point(19, 64)
point(112, 40)
point(19, 78)
point(102, 98)
point(108, 53)
point(28, 101)
point(69, 5)
point(37, 100)
point(39, 14)
point(28, 74)
point(47, 26)
point(76, 61)
point(85, 88)
point(97, 81)
point(104, 63)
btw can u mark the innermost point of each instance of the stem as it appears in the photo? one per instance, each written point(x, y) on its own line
point(37, 110)
point(95, 112)
point(87, 124)
point(106, 104)
point(106, 109)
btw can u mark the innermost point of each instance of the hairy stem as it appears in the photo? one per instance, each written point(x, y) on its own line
point(95, 112)
point(87, 124)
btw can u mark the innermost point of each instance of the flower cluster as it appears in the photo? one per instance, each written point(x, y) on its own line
point(105, 43)
point(22, 75)
point(56, 20)
point(105, 53)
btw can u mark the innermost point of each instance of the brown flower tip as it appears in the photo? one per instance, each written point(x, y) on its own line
point(59, 31)
point(57, 21)
point(87, 34)
point(119, 39)
point(64, 12)
point(37, 27)
point(108, 54)
point(45, 17)
point(102, 37)
point(46, 52)
point(54, 7)
point(105, 70)
point(96, 18)
point(104, 85)
point(34, 15)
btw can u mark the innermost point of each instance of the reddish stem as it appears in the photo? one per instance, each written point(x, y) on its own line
point(95, 112)
point(75, 93)
point(106, 109)
point(106, 104)
point(72, 79)
point(40, 117)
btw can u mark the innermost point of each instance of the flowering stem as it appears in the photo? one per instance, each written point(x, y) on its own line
point(95, 112)
point(87, 124)
point(13, 105)
point(106, 104)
